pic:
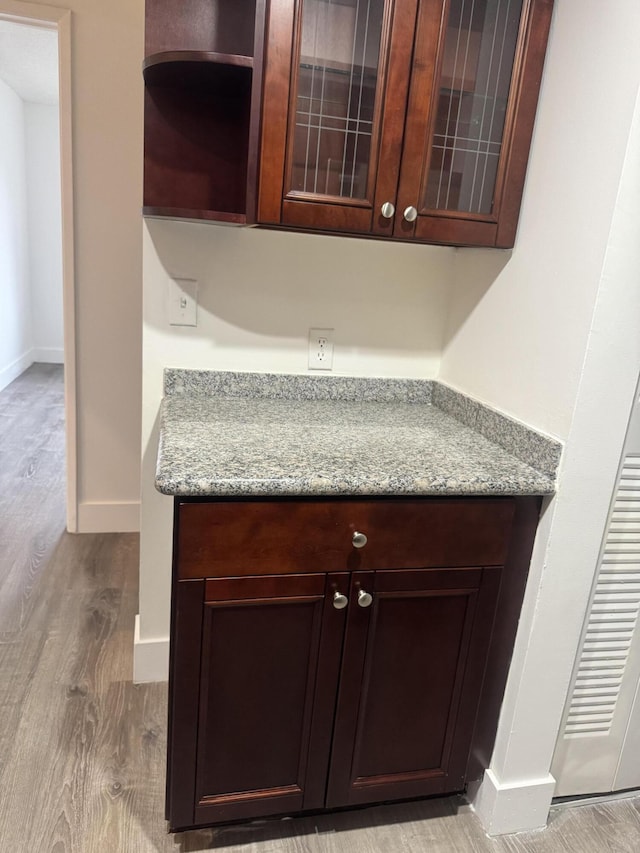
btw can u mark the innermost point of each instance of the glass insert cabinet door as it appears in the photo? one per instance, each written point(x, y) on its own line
point(336, 93)
point(401, 118)
point(470, 110)
point(470, 119)
point(346, 57)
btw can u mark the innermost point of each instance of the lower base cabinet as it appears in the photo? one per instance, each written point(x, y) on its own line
point(293, 691)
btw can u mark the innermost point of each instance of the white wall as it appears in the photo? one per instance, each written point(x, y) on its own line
point(107, 43)
point(16, 339)
point(42, 134)
point(548, 334)
point(107, 88)
point(519, 320)
point(31, 326)
point(260, 292)
point(611, 386)
point(108, 48)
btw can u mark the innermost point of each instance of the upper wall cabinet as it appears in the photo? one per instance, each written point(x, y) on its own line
point(202, 71)
point(408, 120)
point(400, 119)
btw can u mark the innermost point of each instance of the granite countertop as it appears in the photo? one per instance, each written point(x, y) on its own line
point(224, 434)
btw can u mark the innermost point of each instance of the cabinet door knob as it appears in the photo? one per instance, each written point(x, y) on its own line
point(410, 213)
point(364, 598)
point(340, 601)
point(359, 540)
point(387, 210)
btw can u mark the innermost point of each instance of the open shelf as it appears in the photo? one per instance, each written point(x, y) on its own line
point(196, 140)
point(199, 92)
point(222, 216)
point(168, 66)
point(219, 73)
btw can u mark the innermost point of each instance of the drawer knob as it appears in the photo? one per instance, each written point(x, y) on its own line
point(359, 540)
point(340, 601)
point(364, 598)
point(387, 210)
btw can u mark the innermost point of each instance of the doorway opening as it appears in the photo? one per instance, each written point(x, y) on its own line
point(37, 316)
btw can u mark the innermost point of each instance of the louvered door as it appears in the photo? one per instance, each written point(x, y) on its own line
point(594, 753)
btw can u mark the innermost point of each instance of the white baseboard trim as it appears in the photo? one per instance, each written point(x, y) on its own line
point(513, 807)
point(109, 517)
point(49, 355)
point(150, 657)
point(15, 368)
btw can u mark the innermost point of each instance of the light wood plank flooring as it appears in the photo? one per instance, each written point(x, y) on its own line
point(82, 748)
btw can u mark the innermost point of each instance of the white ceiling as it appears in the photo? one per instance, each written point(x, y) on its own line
point(29, 61)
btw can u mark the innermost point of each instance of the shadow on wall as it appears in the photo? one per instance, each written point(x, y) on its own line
point(277, 284)
point(468, 291)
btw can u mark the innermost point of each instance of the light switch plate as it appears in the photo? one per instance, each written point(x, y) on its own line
point(183, 302)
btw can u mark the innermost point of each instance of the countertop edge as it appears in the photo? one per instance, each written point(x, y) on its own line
point(262, 489)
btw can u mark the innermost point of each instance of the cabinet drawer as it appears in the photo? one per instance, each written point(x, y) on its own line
point(223, 538)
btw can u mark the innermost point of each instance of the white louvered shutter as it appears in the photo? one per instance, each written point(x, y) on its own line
point(588, 753)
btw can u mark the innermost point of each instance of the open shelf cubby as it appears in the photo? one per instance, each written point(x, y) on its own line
point(199, 81)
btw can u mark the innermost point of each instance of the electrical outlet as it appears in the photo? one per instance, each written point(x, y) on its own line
point(183, 302)
point(320, 349)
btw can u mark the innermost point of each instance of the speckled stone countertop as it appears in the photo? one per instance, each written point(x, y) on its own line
point(229, 434)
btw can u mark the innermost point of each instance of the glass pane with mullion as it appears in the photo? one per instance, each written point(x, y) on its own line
point(479, 51)
point(335, 98)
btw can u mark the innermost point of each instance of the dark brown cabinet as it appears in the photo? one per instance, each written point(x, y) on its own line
point(262, 645)
point(399, 119)
point(202, 71)
point(411, 677)
point(407, 119)
point(296, 689)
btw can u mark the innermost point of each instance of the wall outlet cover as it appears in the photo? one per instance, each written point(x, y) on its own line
point(321, 349)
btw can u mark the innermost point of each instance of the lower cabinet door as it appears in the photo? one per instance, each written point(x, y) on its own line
point(255, 728)
point(414, 656)
point(264, 690)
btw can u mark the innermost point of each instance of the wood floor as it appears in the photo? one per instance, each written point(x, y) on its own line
point(82, 748)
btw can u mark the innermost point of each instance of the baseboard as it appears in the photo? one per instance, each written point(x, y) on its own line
point(109, 517)
point(504, 808)
point(49, 355)
point(15, 368)
point(150, 658)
